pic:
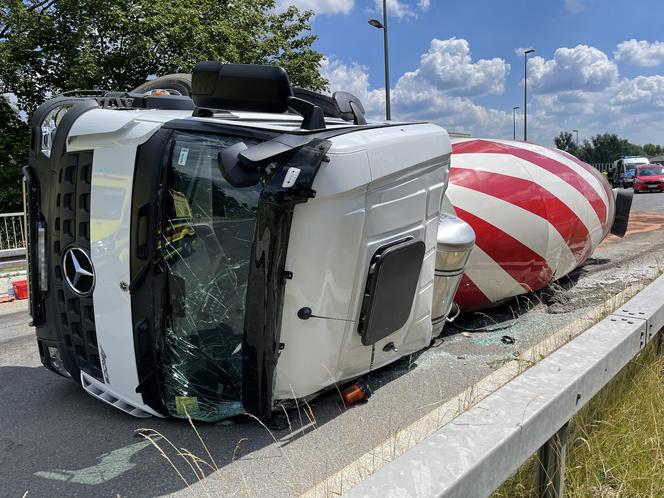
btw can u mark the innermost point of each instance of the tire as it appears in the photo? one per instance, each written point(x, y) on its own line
point(623, 207)
point(180, 82)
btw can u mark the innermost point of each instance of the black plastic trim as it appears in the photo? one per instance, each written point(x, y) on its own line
point(67, 319)
point(220, 129)
point(265, 289)
point(31, 208)
point(148, 286)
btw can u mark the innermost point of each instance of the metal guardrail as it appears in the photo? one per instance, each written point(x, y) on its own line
point(478, 450)
point(12, 231)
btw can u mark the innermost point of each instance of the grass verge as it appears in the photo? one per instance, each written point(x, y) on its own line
point(616, 442)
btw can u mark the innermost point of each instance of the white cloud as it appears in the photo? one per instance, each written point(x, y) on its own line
point(579, 68)
point(640, 53)
point(353, 78)
point(520, 50)
point(402, 9)
point(420, 101)
point(447, 65)
point(589, 95)
point(574, 6)
point(643, 93)
point(396, 8)
point(319, 6)
point(631, 108)
point(438, 90)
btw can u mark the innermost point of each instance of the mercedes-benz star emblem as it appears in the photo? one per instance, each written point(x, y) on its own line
point(78, 271)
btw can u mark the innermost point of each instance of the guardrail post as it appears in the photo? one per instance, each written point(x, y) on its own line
point(551, 466)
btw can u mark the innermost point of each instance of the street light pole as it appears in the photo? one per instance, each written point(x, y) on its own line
point(514, 122)
point(388, 107)
point(525, 93)
point(377, 24)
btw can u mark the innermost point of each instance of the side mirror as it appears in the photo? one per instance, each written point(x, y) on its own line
point(233, 171)
point(350, 107)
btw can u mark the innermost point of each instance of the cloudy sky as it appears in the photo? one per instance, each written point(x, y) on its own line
point(598, 65)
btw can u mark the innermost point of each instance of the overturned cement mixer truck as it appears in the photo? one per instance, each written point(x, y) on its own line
point(215, 244)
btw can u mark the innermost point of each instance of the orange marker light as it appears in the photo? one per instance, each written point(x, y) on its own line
point(360, 391)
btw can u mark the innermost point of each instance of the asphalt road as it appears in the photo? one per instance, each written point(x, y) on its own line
point(56, 440)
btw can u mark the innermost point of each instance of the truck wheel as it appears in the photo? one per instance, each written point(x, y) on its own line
point(180, 82)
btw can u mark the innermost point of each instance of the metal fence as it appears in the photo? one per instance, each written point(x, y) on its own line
point(12, 240)
point(12, 231)
point(602, 167)
point(474, 453)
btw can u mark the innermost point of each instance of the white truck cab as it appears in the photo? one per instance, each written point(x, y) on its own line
point(214, 255)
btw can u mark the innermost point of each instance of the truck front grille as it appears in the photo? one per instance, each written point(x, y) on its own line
point(71, 228)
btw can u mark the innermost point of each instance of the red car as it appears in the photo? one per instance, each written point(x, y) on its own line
point(648, 178)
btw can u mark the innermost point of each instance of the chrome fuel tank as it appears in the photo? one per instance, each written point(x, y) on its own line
point(454, 242)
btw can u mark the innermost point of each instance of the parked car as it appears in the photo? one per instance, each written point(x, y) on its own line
point(623, 169)
point(649, 178)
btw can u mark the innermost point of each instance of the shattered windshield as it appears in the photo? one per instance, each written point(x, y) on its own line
point(205, 248)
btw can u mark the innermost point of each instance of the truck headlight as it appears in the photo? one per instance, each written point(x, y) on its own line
point(50, 125)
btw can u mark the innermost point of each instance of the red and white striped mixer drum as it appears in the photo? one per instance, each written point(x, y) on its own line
point(537, 213)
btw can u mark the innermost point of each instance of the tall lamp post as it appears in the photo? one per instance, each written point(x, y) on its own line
point(525, 93)
point(514, 121)
point(577, 136)
point(377, 24)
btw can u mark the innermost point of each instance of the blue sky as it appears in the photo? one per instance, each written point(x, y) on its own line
point(598, 65)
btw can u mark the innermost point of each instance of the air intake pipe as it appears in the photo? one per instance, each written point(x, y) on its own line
point(454, 242)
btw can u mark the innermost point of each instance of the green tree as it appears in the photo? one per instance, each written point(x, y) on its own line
point(565, 141)
point(606, 148)
point(50, 46)
point(13, 156)
point(652, 150)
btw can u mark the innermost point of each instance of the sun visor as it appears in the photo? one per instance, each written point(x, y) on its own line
point(245, 87)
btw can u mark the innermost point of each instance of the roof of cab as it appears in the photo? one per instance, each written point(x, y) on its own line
point(98, 126)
